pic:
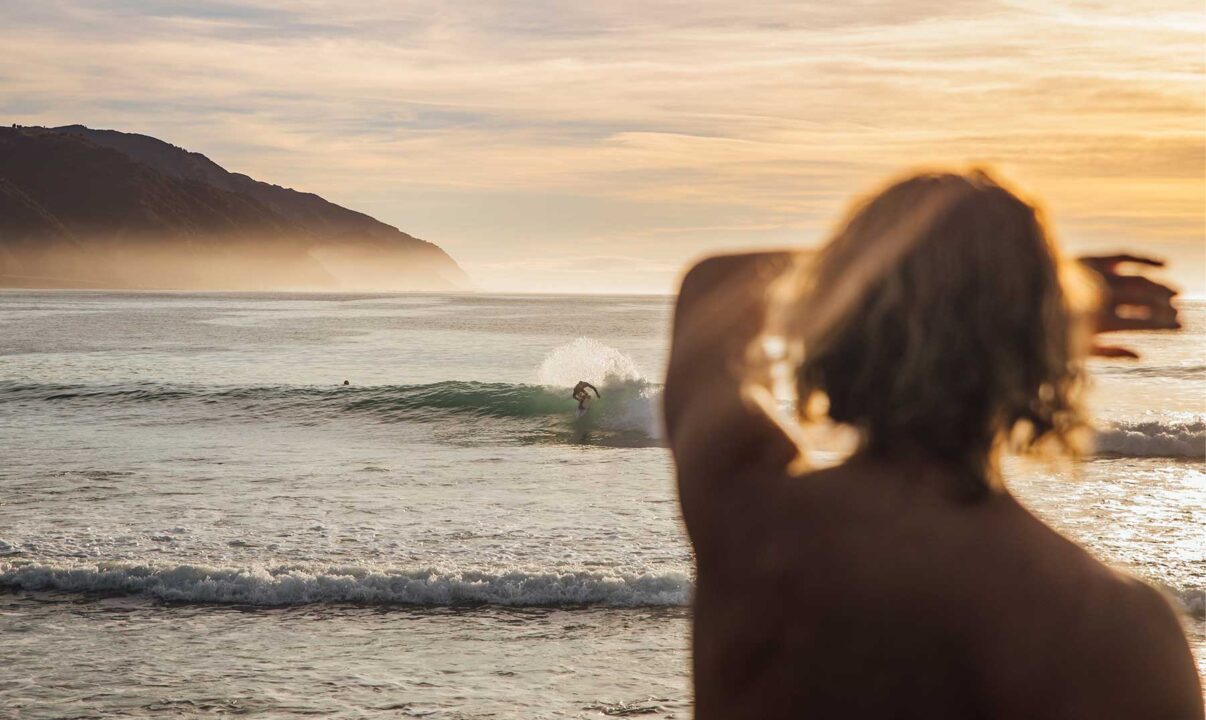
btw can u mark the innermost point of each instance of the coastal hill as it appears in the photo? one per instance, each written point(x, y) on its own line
point(99, 208)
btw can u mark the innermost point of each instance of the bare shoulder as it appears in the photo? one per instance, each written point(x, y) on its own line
point(1099, 642)
point(1135, 656)
point(1065, 635)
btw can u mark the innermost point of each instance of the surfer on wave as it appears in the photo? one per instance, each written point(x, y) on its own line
point(582, 396)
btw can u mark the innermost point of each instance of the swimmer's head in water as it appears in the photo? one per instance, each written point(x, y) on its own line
point(940, 320)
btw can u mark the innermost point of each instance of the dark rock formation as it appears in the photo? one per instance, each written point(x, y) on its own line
point(100, 208)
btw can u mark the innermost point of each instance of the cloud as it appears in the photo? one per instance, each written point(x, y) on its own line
point(501, 128)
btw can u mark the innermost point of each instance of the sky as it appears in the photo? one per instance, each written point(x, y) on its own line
point(600, 146)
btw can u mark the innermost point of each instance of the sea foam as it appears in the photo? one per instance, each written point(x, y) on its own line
point(295, 585)
point(1154, 439)
point(303, 586)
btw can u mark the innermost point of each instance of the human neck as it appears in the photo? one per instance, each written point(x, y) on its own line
point(925, 470)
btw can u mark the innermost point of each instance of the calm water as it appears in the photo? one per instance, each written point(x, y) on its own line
point(198, 518)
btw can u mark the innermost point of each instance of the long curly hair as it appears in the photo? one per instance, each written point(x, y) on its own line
point(941, 322)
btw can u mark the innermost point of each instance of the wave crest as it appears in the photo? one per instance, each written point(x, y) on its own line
point(302, 586)
point(1153, 439)
point(628, 405)
point(295, 585)
point(587, 359)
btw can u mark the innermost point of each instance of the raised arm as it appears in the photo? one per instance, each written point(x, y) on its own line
point(717, 409)
point(1130, 302)
point(592, 387)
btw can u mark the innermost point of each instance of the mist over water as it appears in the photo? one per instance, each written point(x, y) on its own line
point(187, 481)
point(245, 263)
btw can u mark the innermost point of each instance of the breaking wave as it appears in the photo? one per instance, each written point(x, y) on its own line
point(625, 404)
point(293, 585)
point(300, 586)
point(400, 401)
point(628, 404)
point(1175, 372)
point(1154, 439)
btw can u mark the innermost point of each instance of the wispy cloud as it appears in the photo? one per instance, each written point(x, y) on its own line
point(510, 131)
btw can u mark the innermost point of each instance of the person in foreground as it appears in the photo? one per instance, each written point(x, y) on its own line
point(941, 323)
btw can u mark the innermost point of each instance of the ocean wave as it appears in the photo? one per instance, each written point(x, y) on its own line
point(1153, 438)
point(301, 586)
point(627, 404)
point(1172, 372)
point(490, 399)
point(292, 585)
point(1193, 602)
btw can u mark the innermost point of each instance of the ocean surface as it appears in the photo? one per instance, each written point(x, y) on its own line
point(197, 518)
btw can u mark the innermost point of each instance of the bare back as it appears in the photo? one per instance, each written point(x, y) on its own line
point(873, 590)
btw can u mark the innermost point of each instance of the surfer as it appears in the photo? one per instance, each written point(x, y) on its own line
point(582, 396)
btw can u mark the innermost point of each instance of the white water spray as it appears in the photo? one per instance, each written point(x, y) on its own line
point(586, 359)
point(628, 402)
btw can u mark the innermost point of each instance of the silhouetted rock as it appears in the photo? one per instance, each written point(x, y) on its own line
point(87, 208)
